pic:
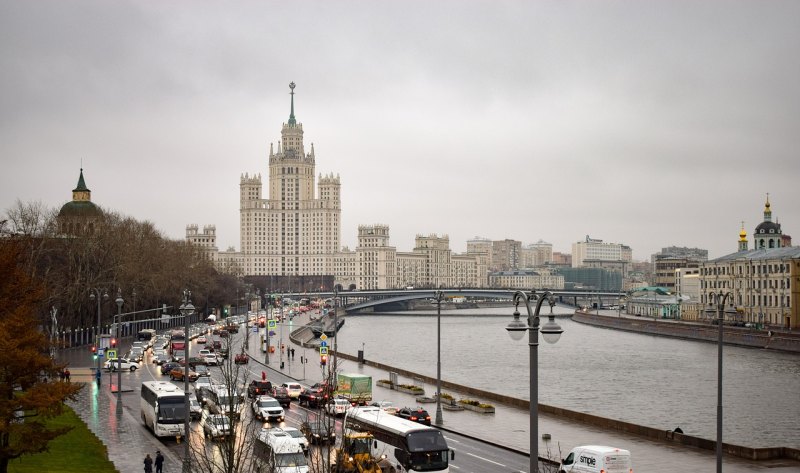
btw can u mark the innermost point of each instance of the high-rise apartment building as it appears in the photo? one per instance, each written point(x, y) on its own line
point(293, 232)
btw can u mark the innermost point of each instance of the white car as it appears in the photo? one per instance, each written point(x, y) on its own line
point(195, 410)
point(211, 359)
point(267, 408)
point(215, 425)
point(386, 406)
point(202, 382)
point(124, 364)
point(294, 389)
point(337, 407)
point(297, 435)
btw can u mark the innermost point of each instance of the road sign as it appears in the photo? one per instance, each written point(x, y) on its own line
point(100, 352)
point(323, 343)
point(255, 329)
point(323, 350)
point(111, 354)
point(272, 323)
point(323, 337)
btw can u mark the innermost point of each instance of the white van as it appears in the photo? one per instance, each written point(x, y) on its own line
point(596, 459)
point(284, 453)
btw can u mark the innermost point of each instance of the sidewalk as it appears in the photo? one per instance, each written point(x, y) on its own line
point(118, 426)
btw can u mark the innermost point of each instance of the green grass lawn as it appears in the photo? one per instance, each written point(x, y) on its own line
point(77, 451)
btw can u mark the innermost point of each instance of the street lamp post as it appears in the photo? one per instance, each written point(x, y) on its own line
point(551, 332)
point(719, 298)
point(186, 309)
point(119, 302)
point(439, 296)
point(247, 319)
point(95, 295)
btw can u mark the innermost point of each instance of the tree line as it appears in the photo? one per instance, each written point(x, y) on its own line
point(120, 253)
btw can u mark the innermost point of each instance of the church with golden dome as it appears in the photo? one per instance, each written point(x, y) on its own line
point(767, 235)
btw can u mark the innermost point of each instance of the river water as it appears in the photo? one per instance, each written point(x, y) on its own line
point(653, 381)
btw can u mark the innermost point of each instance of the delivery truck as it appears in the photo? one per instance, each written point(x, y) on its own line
point(356, 388)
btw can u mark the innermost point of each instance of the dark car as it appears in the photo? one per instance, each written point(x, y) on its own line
point(195, 361)
point(281, 395)
point(202, 370)
point(318, 432)
point(312, 397)
point(416, 414)
point(258, 388)
point(167, 367)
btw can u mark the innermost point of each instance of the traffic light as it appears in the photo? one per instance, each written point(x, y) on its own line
point(323, 360)
point(113, 343)
point(94, 352)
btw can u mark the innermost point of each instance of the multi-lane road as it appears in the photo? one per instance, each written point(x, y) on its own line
point(471, 456)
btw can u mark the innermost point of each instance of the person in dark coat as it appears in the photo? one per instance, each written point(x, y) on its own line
point(148, 464)
point(159, 461)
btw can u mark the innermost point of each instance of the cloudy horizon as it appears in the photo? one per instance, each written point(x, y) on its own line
point(651, 124)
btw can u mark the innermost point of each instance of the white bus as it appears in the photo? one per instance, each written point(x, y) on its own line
point(163, 408)
point(408, 446)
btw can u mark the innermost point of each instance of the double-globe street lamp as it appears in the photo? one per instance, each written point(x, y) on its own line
point(96, 295)
point(187, 309)
point(439, 296)
point(551, 332)
point(719, 298)
point(119, 302)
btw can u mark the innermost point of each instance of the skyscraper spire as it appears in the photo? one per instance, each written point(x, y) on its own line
point(292, 121)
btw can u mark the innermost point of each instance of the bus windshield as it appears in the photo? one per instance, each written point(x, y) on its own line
point(428, 450)
point(171, 410)
point(428, 461)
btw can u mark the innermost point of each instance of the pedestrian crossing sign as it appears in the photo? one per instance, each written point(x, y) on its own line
point(323, 350)
point(111, 354)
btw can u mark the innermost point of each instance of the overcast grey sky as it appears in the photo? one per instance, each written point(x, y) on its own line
point(645, 123)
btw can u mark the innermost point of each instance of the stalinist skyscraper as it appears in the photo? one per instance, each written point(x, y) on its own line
point(293, 232)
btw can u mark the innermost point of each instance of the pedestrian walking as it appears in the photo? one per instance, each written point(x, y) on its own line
point(67, 374)
point(148, 464)
point(293, 353)
point(62, 375)
point(159, 461)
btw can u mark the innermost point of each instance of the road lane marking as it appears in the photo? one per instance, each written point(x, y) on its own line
point(484, 459)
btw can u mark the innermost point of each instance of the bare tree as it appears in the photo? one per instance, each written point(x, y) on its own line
point(234, 452)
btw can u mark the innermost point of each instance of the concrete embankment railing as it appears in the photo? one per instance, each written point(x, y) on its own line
point(694, 331)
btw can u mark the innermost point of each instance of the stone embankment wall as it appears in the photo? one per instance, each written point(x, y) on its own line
point(741, 336)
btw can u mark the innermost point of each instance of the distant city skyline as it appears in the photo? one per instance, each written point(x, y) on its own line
point(651, 125)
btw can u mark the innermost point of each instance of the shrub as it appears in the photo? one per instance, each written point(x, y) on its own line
point(473, 402)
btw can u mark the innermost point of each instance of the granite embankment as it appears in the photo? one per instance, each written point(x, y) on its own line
point(741, 336)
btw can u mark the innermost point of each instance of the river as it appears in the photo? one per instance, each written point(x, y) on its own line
point(654, 381)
